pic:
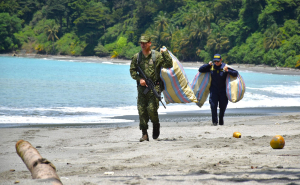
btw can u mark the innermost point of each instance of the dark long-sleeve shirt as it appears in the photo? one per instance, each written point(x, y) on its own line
point(218, 76)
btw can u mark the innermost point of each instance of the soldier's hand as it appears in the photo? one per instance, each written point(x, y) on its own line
point(210, 63)
point(143, 82)
point(163, 49)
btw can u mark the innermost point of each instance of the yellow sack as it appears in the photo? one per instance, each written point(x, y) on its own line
point(201, 85)
point(235, 87)
point(177, 88)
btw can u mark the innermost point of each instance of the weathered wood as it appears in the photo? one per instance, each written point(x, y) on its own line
point(39, 167)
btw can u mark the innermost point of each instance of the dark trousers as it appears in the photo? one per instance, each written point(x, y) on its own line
point(215, 99)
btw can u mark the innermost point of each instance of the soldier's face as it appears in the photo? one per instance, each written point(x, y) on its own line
point(145, 45)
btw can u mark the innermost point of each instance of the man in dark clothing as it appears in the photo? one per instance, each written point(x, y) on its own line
point(217, 89)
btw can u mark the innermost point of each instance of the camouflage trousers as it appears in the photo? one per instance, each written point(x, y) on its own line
point(147, 105)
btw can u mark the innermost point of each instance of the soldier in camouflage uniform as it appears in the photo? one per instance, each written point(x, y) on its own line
point(148, 104)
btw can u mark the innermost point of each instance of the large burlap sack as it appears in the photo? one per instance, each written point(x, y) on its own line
point(235, 88)
point(200, 86)
point(176, 85)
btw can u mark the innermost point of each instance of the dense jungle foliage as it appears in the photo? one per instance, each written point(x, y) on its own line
point(243, 31)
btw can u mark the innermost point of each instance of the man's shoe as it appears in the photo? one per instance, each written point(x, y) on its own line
point(144, 138)
point(221, 121)
point(214, 124)
point(156, 131)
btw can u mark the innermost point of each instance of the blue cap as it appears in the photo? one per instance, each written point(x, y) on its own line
point(217, 57)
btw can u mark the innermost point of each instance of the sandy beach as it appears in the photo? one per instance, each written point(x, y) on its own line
point(185, 153)
point(188, 151)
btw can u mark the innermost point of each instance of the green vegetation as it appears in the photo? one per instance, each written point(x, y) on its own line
point(243, 31)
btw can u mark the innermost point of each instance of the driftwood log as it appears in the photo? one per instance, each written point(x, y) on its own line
point(39, 167)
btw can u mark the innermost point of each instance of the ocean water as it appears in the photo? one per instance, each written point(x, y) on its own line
point(66, 91)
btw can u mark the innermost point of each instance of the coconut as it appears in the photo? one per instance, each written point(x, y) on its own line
point(237, 135)
point(277, 142)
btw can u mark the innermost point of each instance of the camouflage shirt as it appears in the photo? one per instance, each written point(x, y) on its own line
point(162, 60)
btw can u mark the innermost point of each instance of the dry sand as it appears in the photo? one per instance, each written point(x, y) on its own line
point(186, 153)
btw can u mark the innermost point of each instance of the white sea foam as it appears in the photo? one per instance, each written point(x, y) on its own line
point(70, 115)
point(124, 64)
point(193, 68)
point(59, 120)
point(105, 115)
point(281, 89)
point(107, 62)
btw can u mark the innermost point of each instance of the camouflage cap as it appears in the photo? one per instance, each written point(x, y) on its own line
point(145, 39)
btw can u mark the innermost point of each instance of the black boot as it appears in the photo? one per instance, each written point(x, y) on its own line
point(145, 136)
point(221, 121)
point(156, 132)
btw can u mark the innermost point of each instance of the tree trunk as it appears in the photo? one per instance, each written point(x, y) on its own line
point(39, 167)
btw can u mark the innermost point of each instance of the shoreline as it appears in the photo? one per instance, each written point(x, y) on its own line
point(203, 117)
point(239, 67)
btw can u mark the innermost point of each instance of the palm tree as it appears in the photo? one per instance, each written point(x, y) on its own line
point(272, 38)
point(197, 31)
point(51, 30)
point(217, 43)
point(197, 37)
point(176, 41)
point(206, 17)
point(167, 35)
point(161, 21)
point(186, 44)
point(191, 17)
point(160, 32)
point(155, 36)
